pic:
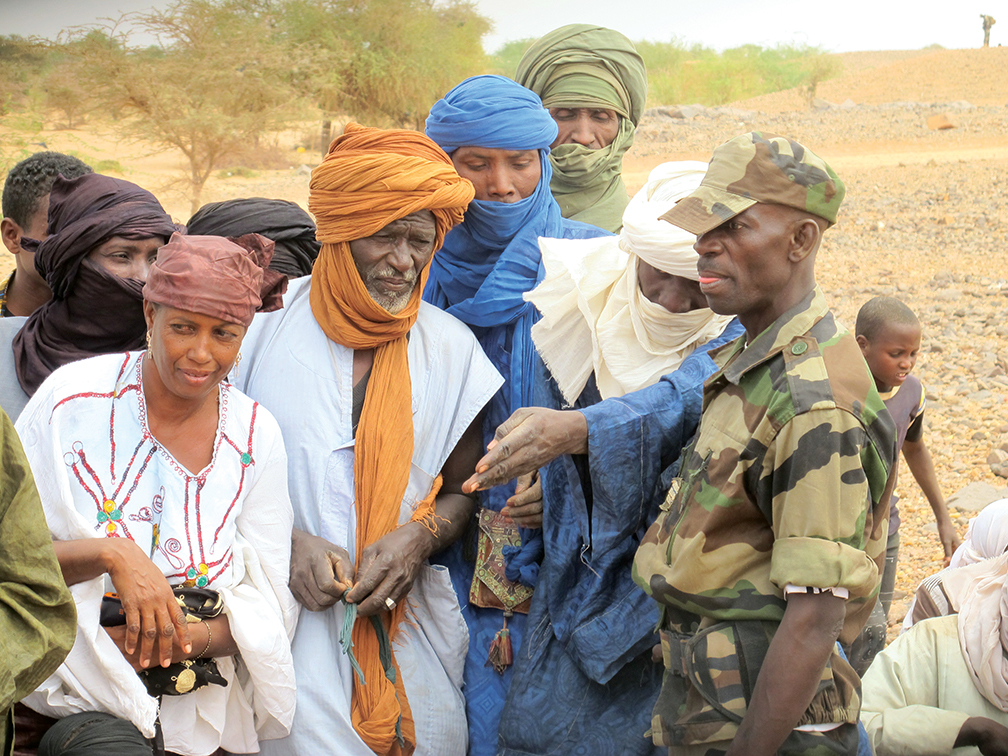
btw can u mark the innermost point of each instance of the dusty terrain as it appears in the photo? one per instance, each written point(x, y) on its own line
point(925, 219)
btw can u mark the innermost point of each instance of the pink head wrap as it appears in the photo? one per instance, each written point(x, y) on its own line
point(211, 275)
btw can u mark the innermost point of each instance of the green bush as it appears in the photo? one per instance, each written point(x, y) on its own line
point(697, 74)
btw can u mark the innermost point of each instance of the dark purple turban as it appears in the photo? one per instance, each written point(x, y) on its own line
point(92, 311)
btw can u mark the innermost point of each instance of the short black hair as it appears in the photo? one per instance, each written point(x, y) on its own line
point(877, 313)
point(32, 179)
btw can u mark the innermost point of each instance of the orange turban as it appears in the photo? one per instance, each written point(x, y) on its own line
point(370, 178)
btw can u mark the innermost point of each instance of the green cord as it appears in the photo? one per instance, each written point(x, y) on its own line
point(346, 639)
point(384, 654)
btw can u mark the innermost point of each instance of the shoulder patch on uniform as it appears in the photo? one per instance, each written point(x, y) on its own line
point(807, 376)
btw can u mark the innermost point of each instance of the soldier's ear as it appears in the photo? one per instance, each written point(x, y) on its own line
point(806, 234)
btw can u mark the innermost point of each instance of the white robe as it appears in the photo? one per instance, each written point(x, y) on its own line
point(100, 473)
point(918, 692)
point(306, 381)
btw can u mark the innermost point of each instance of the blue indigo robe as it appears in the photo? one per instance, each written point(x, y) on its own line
point(583, 679)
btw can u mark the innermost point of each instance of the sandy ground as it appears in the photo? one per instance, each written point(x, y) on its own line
point(925, 219)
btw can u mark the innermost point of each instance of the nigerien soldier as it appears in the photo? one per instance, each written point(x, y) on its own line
point(988, 22)
point(772, 540)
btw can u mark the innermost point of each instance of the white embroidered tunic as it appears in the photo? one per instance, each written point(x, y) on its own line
point(306, 381)
point(101, 474)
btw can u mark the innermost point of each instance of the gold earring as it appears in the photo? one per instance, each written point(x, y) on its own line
point(236, 363)
point(149, 352)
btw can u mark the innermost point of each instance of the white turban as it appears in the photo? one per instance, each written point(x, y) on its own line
point(986, 537)
point(657, 242)
point(594, 316)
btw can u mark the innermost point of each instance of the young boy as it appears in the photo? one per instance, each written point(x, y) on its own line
point(25, 213)
point(890, 335)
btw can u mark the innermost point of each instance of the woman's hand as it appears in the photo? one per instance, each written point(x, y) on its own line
point(153, 616)
point(118, 636)
point(212, 639)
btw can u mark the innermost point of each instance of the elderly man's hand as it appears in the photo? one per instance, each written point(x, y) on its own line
point(531, 438)
point(389, 566)
point(320, 571)
point(525, 508)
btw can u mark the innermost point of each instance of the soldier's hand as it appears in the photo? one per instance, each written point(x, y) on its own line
point(531, 438)
point(320, 571)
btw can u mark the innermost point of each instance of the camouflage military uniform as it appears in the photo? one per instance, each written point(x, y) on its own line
point(785, 484)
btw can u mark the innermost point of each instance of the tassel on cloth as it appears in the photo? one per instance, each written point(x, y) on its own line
point(501, 655)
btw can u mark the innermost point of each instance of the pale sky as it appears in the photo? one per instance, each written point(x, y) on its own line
point(837, 27)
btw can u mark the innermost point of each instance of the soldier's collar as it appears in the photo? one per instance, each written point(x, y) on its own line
point(737, 358)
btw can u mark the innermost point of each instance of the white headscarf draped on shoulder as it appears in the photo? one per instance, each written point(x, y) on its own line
point(594, 316)
point(978, 592)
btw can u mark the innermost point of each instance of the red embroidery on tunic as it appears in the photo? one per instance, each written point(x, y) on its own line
point(111, 510)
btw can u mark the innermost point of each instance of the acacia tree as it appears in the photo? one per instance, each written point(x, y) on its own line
point(63, 92)
point(386, 61)
point(217, 81)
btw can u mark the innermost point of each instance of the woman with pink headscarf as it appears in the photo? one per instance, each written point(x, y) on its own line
point(986, 538)
point(157, 476)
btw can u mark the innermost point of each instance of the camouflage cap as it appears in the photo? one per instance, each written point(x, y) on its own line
point(755, 168)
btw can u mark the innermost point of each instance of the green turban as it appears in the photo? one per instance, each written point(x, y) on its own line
point(585, 66)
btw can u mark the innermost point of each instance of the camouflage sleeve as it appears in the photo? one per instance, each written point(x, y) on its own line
point(814, 476)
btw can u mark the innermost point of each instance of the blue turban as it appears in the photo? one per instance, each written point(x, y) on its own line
point(491, 112)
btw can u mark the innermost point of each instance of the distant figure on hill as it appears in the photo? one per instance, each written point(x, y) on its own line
point(988, 22)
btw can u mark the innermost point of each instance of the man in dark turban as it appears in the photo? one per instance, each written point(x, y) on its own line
point(291, 229)
point(103, 234)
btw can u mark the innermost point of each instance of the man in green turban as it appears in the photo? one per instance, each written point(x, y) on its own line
point(594, 84)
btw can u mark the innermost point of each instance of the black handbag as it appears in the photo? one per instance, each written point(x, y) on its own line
point(181, 677)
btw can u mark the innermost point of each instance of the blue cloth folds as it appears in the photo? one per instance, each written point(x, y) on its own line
point(521, 564)
point(491, 112)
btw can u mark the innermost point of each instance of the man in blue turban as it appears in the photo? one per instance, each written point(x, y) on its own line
point(498, 136)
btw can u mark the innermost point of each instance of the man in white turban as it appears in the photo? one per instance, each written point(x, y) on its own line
point(619, 314)
point(629, 308)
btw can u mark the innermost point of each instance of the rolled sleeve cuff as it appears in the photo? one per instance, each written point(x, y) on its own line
point(820, 563)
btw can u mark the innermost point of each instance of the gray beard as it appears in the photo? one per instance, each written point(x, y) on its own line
point(394, 303)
